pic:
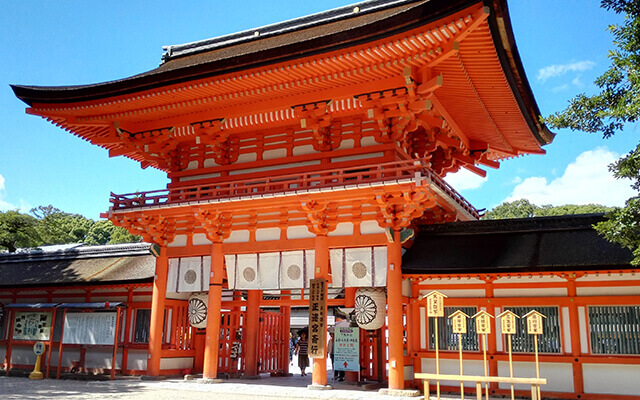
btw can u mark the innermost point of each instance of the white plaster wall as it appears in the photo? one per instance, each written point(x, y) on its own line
point(559, 375)
point(299, 232)
point(533, 292)
point(266, 234)
point(200, 239)
point(275, 153)
point(342, 229)
point(176, 363)
point(238, 237)
point(178, 241)
point(101, 358)
point(301, 150)
point(137, 360)
point(370, 227)
point(611, 379)
point(452, 366)
point(453, 293)
point(566, 330)
point(608, 291)
point(68, 356)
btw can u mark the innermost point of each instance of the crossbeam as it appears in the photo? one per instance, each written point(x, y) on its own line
point(478, 379)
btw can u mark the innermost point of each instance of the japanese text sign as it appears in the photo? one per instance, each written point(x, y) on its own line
point(346, 349)
point(459, 322)
point(534, 322)
point(317, 317)
point(435, 304)
point(508, 322)
point(483, 322)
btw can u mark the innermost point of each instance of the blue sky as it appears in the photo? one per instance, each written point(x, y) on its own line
point(563, 46)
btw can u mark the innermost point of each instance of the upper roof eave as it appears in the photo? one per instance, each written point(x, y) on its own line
point(395, 16)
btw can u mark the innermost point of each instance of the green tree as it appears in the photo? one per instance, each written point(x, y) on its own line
point(525, 209)
point(121, 235)
point(58, 227)
point(17, 230)
point(607, 112)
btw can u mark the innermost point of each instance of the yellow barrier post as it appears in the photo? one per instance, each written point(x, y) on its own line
point(38, 349)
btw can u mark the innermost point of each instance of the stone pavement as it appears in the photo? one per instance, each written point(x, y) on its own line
point(294, 387)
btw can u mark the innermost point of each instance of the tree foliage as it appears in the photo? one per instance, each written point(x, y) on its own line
point(607, 112)
point(525, 209)
point(46, 225)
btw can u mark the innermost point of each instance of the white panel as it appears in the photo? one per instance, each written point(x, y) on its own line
point(559, 375)
point(406, 288)
point(192, 165)
point(342, 229)
point(137, 360)
point(301, 150)
point(498, 311)
point(238, 237)
point(346, 144)
point(178, 241)
point(200, 239)
point(611, 379)
point(176, 363)
point(454, 293)
point(447, 281)
point(408, 372)
point(370, 227)
point(196, 177)
point(101, 358)
point(368, 141)
point(606, 291)
point(533, 292)
point(452, 366)
point(210, 162)
point(188, 274)
point(246, 276)
point(530, 279)
point(359, 267)
point(276, 153)
point(68, 356)
point(609, 277)
point(268, 234)
point(247, 157)
point(357, 157)
point(566, 329)
point(299, 232)
point(423, 328)
point(582, 322)
point(269, 270)
point(294, 270)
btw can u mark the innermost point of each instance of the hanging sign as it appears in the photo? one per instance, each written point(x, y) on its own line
point(459, 321)
point(534, 322)
point(32, 326)
point(508, 322)
point(317, 317)
point(346, 349)
point(435, 304)
point(483, 322)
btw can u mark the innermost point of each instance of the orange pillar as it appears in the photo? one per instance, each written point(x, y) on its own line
point(576, 346)
point(251, 333)
point(394, 313)
point(286, 328)
point(157, 313)
point(319, 372)
point(212, 340)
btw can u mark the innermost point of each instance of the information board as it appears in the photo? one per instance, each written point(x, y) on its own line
point(317, 317)
point(346, 349)
point(28, 325)
point(90, 328)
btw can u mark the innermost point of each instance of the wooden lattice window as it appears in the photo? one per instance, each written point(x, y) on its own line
point(447, 340)
point(141, 327)
point(614, 329)
point(548, 342)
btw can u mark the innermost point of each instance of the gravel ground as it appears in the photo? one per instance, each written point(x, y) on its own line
point(294, 387)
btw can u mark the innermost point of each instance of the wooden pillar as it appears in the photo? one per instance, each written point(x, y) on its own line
point(576, 345)
point(394, 313)
point(286, 328)
point(319, 371)
point(350, 302)
point(251, 332)
point(157, 313)
point(212, 340)
point(414, 339)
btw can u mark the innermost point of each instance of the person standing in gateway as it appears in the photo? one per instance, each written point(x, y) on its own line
point(302, 350)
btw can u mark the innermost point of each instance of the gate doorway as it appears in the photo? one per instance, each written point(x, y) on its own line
point(273, 343)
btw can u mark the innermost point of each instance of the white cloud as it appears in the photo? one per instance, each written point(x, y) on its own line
point(586, 180)
point(516, 180)
point(560, 88)
point(465, 180)
point(561, 69)
point(5, 205)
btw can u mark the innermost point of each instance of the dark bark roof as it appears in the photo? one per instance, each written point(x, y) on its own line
point(514, 245)
point(127, 263)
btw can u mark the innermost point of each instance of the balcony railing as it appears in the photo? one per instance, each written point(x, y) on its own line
point(291, 183)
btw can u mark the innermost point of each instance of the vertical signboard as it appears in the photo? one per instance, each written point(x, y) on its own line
point(317, 317)
point(346, 349)
point(32, 326)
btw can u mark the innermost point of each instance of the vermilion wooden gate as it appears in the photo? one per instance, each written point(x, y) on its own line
point(271, 340)
point(230, 357)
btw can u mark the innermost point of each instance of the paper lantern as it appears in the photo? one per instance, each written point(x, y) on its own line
point(197, 310)
point(370, 307)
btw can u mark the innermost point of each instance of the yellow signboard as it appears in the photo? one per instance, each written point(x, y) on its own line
point(508, 322)
point(435, 304)
point(534, 322)
point(483, 322)
point(459, 322)
point(317, 317)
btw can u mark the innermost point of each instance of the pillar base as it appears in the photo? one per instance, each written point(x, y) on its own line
point(210, 381)
point(319, 387)
point(399, 392)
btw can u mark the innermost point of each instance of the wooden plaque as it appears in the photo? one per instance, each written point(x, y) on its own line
point(435, 304)
point(317, 318)
point(508, 322)
point(534, 323)
point(459, 322)
point(483, 323)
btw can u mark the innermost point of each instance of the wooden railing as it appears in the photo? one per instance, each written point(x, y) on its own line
point(534, 382)
point(288, 183)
